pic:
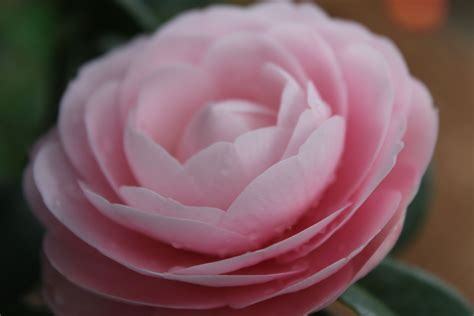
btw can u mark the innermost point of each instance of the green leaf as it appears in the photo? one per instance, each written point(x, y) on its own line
point(27, 35)
point(364, 303)
point(416, 213)
point(410, 291)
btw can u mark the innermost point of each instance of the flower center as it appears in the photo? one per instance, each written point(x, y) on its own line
point(222, 121)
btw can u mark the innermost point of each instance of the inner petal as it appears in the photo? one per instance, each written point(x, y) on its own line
point(222, 121)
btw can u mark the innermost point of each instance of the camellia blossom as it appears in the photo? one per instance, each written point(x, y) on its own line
point(239, 161)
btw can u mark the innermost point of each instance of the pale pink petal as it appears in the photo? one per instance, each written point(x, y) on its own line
point(369, 98)
point(57, 184)
point(64, 252)
point(223, 170)
point(422, 129)
point(67, 299)
point(261, 148)
point(292, 103)
point(35, 201)
point(159, 52)
point(71, 123)
point(104, 276)
point(303, 302)
point(222, 121)
point(154, 203)
point(168, 101)
point(278, 197)
point(243, 55)
point(218, 174)
point(180, 233)
point(349, 241)
point(381, 245)
point(398, 72)
point(342, 34)
point(318, 60)
point(294, 241)
point(156, 169)
point(105, 135)
point(316, 103)
point(381, 168)
point(308, 121)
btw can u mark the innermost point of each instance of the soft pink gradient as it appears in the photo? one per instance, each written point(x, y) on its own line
point(239, 161)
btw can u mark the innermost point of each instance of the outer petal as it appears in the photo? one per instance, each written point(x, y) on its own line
point(71, 117)
point(349, 241)
point(291, 242)
point(380, 169)
point(154, 203)
point(67, 299)
point(368, 123)
point(105, 135)
point(180, 233)
point(56, 182)
point(422, 129)
point(105, 277)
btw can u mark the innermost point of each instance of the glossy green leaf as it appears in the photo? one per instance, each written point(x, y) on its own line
point(364, 303)
point(416, 213)
point(410, 291)
point(27, 35)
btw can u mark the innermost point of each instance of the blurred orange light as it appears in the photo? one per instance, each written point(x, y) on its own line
point(418, 15)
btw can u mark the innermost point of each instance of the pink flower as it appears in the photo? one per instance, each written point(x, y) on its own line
point(240, 161)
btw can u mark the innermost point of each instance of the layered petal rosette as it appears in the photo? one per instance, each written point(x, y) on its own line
point(239, 161)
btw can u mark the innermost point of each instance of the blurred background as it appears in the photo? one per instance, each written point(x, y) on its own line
point(42, 43)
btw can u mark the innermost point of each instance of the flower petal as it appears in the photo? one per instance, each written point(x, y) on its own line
point(154, 203)
point(156, 169)
point(317, 59)
point(369, 98)
point(164, 111)
point(278, 197)
point(180, 233)
point(349, 241)
point(244, 55)
point(105, 135)
point(71, 122)
point(57, 184)
point(222, 121)
point(272, 251)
